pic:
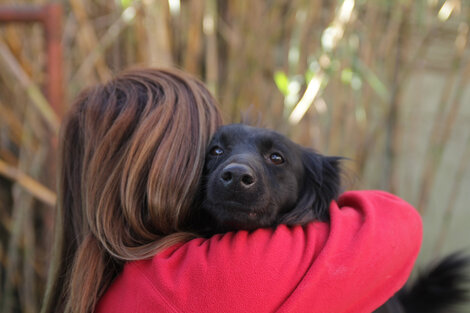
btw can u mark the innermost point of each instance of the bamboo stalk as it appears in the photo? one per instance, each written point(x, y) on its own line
point(312, 10)
point(33, 91)
point(157, 33)
point(11, 122)
point(22, 205)
point(139, 32)
point(367, 55)
point(393, 136)
point(28, 290)
point(2, 264)
point(194, 43)
point(12, 275)
point(97, 53)
point(438, 139)
point(34, 187)
point(17, 48)
point(211, 56)
point(89, 37)
point(341, 19)
point(232, 35)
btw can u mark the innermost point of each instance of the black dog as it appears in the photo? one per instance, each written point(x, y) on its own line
point(258, 178)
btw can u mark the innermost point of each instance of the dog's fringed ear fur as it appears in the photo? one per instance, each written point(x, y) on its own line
point(322, 184)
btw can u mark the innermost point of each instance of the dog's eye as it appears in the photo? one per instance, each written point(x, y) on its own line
point(276, 158)
point(216, 151)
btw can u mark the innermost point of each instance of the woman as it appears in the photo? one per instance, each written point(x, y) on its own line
point(132, 152)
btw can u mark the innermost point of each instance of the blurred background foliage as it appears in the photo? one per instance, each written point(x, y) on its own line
point(382, 82)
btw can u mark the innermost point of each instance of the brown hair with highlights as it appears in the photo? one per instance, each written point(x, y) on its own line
point(131, 156)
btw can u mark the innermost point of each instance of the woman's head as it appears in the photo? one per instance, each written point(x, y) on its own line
point(132, 152)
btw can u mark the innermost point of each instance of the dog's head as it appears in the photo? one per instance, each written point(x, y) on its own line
point(256, 178)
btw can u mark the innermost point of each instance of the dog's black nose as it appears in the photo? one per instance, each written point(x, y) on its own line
point(236, 174)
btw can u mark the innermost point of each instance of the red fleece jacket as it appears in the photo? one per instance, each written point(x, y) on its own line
point(352, 265)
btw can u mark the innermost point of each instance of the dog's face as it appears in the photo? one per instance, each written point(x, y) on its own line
point(256, 178)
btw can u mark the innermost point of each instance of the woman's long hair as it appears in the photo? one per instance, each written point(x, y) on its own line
point(131, 156)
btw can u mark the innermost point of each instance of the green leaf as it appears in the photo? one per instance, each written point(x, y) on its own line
point(309, 75)
point(374, 81)
point(282, 82)
point(125, 3)
point(346, 76)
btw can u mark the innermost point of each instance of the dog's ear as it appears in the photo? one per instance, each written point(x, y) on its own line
point(323, 178)
point(330, 183)
point(321, 185)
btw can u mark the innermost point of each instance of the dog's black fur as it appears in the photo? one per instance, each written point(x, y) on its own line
point(256, 178)
point(441, 287)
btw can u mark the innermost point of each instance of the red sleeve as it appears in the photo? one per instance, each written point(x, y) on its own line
point(352, 265)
